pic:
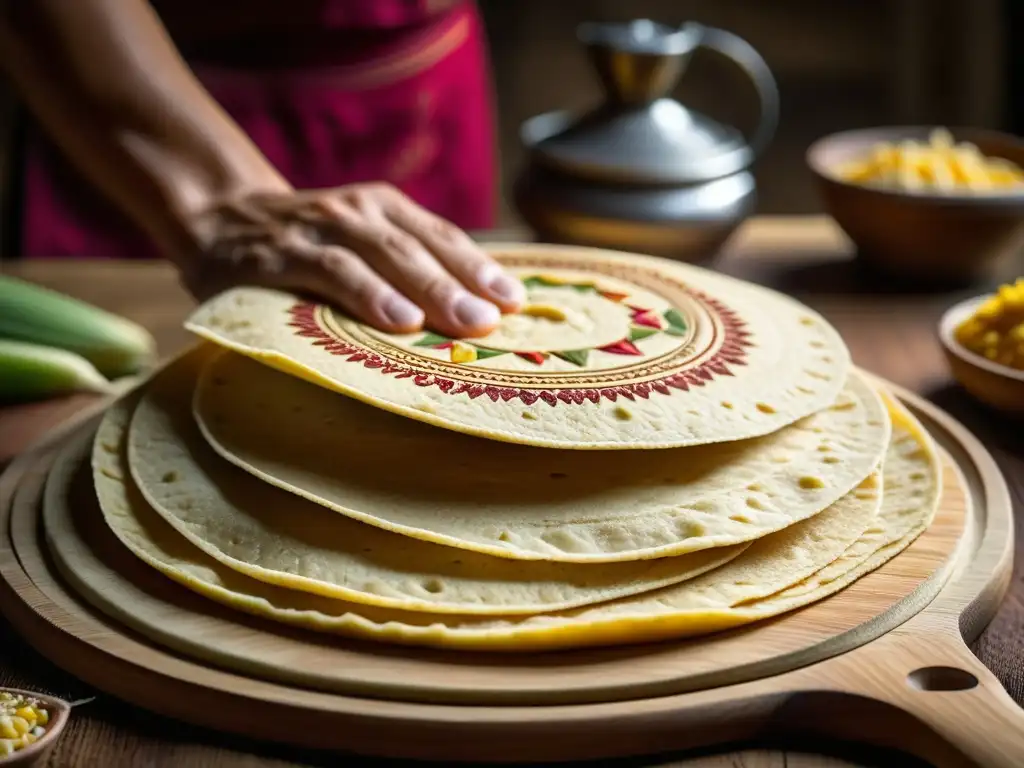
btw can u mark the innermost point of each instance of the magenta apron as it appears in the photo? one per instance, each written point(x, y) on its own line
point(410, 103)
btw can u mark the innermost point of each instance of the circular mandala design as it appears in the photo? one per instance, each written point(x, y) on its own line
point(694, 337)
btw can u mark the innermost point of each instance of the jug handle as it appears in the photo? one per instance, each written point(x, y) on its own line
point(749, 60)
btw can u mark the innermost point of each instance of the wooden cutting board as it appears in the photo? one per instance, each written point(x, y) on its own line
point(884, 661)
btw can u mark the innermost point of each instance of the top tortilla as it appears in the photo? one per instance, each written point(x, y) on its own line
point(613, 351)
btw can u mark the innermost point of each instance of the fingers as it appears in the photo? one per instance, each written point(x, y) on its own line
point(331, 272)
point(348, 282)
point(457, 252)
point(372, 252)
point(406, 263)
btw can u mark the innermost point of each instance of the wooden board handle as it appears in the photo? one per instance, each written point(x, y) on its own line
point(972, 712)
point(968, 717)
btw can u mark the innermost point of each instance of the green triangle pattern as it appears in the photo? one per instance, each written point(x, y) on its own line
point(431, 340)
point(637, 332)
point(676, 323)
point(483, 354)
point(574, 356)
point(535, 281)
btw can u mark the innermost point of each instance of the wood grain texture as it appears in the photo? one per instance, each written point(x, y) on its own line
point(889, 331)
point(871, 680)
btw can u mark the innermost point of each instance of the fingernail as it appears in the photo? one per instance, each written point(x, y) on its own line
point(402, 312)
point(475, 312)
point(501, 285)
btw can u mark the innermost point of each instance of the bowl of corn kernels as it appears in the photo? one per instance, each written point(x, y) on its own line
point(925, 204)
point(29, 726)
point(983, 339)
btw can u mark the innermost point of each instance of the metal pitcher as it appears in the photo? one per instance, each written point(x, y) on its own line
point(640, 171)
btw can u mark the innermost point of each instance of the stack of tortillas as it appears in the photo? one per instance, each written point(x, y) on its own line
point(647, 450)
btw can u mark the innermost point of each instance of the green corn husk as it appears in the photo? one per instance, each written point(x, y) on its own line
point(31, 372)
point(114, 345)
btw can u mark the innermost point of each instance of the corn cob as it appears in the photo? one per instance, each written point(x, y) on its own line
point(114, 345)
point(34, 372)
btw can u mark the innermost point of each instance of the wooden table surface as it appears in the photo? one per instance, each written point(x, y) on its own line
point(890, 332)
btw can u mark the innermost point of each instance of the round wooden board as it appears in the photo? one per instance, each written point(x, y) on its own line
point(923, 645)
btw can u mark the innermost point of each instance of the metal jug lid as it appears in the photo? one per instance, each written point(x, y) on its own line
point(639, 134)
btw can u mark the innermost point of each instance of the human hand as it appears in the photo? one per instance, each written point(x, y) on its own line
point(366, 248)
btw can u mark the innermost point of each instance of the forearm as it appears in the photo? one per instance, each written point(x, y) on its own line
point(107, 84)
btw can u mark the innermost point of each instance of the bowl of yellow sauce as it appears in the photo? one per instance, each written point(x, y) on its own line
point(983, 339)
point(925, 203)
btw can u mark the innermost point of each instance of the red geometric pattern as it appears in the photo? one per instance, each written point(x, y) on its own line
point(732, 352)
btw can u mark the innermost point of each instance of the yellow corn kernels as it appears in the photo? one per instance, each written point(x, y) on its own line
point(20, 725)
point(26, 713)
point(996, 329)
point(7, 728)
point(22, 722)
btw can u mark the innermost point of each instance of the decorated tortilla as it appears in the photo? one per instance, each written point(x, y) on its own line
point(777, 573)
point(525, 502)
point(280, 538)
point(611, 351)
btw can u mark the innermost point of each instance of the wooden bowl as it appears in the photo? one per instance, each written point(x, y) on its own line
point(36, 754)
point(919, 236)
point(998, 386)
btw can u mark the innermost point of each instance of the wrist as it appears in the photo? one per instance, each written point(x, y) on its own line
point(198, 198)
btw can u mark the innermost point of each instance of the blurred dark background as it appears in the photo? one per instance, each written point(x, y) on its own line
point(839, 64)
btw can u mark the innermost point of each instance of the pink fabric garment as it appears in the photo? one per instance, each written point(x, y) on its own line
point(194, 19)
point(414, 108)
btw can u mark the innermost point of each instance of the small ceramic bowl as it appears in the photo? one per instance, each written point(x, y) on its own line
point(998, 386)
point(920, 236)
point(36, 754)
